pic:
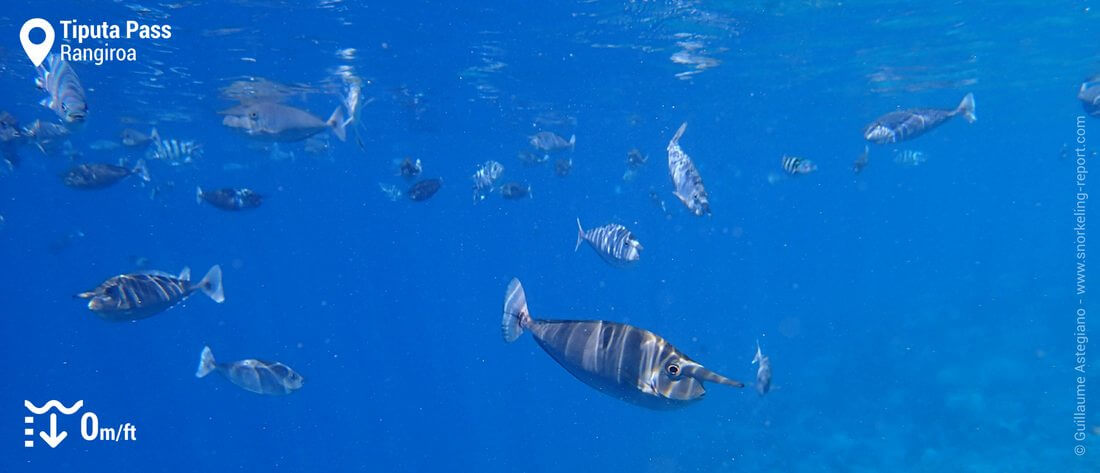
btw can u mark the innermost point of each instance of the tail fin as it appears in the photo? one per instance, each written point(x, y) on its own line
point(966, 108)
point(515, 312)
point(141, 170)
point(198, 195)
point(211, 284)
point(206, 363)
point(580, 236)
point(337, 123)
point(573, 142)
point(679, 133)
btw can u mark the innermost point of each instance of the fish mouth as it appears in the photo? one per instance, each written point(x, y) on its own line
point(703, 374)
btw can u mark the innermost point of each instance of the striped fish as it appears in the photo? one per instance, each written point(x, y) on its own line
point(174, 151)
point(686, 179)
point(258, 376)
point(140, 295)
point(619, 360)
point(66, 96)
point(485, 178)
point(908, 124)
point(613, 242)
point(794, 165)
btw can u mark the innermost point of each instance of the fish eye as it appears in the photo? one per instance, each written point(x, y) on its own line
point(253, 115)
point(673, 369)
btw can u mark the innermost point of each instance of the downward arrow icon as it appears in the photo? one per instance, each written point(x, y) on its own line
point(53, 439)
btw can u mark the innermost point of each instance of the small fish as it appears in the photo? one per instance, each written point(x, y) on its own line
point(547, 141)
point(907, 157)
point(101, 175)
point(515, 191)
point(862, 161)
point(686, 178)
point(391, 191)
point(104, 145)
point(409, 168)
point(532, 159)
point(794, 166)
point(133, 138)
point(622, 361)
point(562, 167)
point(174, 151)
point(763, 371)
point(485, 178)
point(11, 136)
point(260, 377)
point(278, 122)
point(46, 136)
point(65, 94)
point(140, 295)
point(424, 189)
point(635, 159)
point(229, 198)
point(613, 242)
point(1089, 95)
point(10, 132)
point(908, 124)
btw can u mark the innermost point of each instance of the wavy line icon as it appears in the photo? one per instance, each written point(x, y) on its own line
point(53, 404)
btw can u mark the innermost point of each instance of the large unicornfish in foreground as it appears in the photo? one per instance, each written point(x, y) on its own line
point(619, 360)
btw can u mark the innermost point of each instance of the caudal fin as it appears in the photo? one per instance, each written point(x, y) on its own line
point(966, 108)
point(679, 133)
point(515, 312)
point(206, 363)
point(211, 284)
point(573, 142)
point(337, 123)
point(580, 235)
point(141, 170)
point(198, 195)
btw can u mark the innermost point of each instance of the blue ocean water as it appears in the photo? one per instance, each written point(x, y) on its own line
point(918, 318)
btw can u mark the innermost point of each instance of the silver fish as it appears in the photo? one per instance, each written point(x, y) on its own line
point(613, 242)
point(66, 95)
point(763, 371)
point(908, 157)
point(485, 178)
point(908, 124)
point(391, 191)
point(862, 161)
point(625, 362)
point(260, 377)
point(794, 165)
point(1089, 95)
point(104, 145)
point(132, 137)
point(515, 191)
point(174, 151)
point(48, 137)
point(685, 177)
point(277, 122)
point(140, 295)
point(549, 141)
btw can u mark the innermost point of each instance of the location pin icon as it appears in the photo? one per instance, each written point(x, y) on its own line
point(37, 52)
